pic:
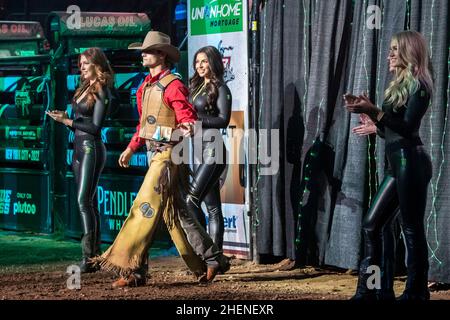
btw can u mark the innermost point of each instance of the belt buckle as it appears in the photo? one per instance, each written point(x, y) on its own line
point(153, 146)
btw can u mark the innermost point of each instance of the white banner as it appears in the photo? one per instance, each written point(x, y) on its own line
point(233, 45)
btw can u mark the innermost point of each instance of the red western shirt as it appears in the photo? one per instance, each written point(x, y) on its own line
point(175, 96)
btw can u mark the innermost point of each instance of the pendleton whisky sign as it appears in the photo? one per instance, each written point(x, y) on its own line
point(215, 16)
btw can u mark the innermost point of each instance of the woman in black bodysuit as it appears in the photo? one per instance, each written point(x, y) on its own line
point(211, 98)
point(90, 103)
point(406, 180)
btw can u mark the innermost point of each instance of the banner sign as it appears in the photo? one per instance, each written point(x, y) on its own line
point(23, 155)
point(237, 230)
point(20, 30)
point(115, 194)
point(20, 133)
point(223, 24)
point(24, 201)
point(216, 16)
point(76, 22)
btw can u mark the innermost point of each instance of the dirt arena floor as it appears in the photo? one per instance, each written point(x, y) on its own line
point(169, 280)
point(35, 268)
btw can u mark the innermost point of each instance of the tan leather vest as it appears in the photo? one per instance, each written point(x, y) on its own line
point(157, 119)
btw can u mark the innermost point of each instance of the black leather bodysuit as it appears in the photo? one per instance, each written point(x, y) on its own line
point(405, 187)
point(88, 162)
point(205, 183)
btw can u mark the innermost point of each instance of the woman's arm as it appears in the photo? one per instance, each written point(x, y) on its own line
point(224, 106)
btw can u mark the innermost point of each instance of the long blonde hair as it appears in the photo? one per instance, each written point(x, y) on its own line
point(414, 69)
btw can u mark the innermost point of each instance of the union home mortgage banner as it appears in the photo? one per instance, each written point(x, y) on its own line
point(216, 16)
point(223, 24)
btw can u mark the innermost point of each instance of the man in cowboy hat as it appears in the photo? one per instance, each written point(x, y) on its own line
point(163, 107)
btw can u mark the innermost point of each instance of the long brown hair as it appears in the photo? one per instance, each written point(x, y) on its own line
point(217, 70)
point(103, 71)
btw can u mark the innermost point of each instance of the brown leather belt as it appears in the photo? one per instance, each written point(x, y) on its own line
point(157, 146)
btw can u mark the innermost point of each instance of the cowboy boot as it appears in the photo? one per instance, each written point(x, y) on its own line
point(225, 263)
point(416, 285)
point(88, 248)
point(137, 278)
point(133, 280)
point(417, 268)
point(222, 265)
point(363, 293)
point(371, 252)
point(386, 292)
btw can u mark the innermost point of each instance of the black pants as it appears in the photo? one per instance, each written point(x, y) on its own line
point(405, 187)
point(88, 162)
point(205, 187)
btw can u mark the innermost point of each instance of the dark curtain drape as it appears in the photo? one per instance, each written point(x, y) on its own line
point(296, 103)
point(432, 19)
point(312, 52)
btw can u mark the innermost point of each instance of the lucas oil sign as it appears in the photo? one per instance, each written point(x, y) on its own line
point(20, 30)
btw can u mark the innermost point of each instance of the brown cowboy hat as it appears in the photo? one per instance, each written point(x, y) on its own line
point(156, 40)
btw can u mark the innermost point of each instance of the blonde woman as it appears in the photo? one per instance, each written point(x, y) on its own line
point(406, 180)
